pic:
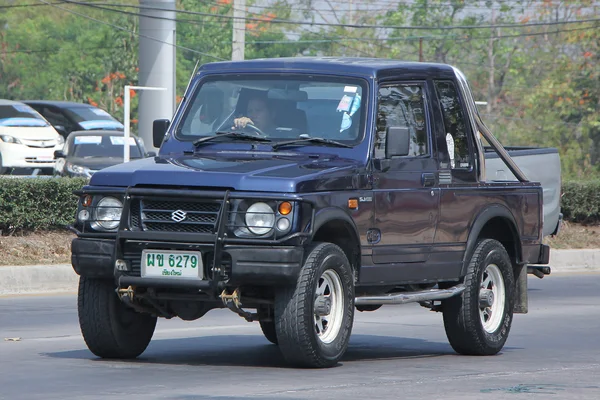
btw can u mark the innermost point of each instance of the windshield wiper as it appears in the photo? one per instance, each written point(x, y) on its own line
point(233, 134)
point(315, 140)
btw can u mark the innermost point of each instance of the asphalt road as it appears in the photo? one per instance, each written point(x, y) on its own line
point(397, 352)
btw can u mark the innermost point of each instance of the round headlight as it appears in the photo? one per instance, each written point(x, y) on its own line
point(260, 218)
point(108, 213)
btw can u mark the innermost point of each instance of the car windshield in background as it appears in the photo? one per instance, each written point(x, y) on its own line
point(93, 118)
point(102, 146)
point(20, 115)
point(277, 108)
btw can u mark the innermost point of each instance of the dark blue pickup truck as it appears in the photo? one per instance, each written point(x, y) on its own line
point(296, 191)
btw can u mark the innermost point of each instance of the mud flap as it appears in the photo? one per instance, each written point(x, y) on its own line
point(521, 300)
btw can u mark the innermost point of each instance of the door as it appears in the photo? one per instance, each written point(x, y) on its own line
point(406, 192)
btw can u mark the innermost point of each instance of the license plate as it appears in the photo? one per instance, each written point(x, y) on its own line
point(172, 264)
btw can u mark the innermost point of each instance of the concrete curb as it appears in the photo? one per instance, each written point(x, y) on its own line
point(60, 278)
point(37, 279)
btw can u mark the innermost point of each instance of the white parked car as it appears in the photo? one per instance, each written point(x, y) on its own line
point(27, 140)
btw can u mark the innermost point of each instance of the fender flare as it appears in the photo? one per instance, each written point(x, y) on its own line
point(492, 211)
point(328, 214)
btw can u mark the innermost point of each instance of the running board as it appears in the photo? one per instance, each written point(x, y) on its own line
point(410, 297)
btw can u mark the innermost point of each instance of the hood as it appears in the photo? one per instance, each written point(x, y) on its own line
point(244, 171)
point(95, 163)
point(30, 132)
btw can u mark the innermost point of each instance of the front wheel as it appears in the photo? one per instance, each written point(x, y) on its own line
point(268, 330)
point(313, 320)
point(111, 329)
point(478, 321)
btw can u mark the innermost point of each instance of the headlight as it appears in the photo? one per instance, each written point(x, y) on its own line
point(260, 218)
point(60, 141)
point(107, 214)
point(77, 169)
point(10, 139)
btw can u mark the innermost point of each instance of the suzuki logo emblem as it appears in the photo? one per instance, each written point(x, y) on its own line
point(178, 215)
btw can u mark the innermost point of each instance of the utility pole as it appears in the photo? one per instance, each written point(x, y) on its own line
point(239, 30)
point(420, 49)
point(157, 64)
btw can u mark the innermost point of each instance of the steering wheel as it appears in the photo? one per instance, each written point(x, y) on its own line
point(255, 130)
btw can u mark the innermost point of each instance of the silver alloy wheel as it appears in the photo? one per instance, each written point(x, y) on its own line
point(329, 306)
point(492, 298)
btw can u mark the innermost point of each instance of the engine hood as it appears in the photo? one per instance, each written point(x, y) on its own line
point(95, 163)
point(30, 132)
point(237, 170)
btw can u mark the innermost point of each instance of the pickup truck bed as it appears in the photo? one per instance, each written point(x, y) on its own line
point(539, 165)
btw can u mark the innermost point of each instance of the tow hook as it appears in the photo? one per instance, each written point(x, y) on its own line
point(129, 292)
point(234, 303)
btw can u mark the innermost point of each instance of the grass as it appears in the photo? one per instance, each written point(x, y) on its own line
point(575, 236)
point(36, 248)
point(55, 247)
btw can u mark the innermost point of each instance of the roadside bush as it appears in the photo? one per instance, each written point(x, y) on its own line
point(37, 204)
point(581, 201)
point(32, 204)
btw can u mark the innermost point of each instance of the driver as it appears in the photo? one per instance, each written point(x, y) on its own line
point(259, 113)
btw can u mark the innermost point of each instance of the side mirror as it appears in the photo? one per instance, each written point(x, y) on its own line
point(397, 142)
point(159, 130)
point(151, 154)
point(59, 154)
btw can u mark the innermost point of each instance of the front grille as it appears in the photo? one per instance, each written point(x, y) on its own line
point(39, 144)
point(158, 215)
point(38, 161)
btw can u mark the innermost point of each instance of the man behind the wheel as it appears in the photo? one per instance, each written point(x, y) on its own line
point(260, 114)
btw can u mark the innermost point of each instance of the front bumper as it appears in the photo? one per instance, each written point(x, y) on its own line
point(241, 265)
point(16, 155)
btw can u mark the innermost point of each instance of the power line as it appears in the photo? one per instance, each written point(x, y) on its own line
point(133, 32)
point(358, 26)
point(366, 39)
point(62, 49)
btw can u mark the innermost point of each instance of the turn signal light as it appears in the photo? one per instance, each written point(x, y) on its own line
point(353, 204)
point(285, 208)
point(87, 200)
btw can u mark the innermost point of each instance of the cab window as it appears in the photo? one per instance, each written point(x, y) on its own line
point(402, 105)
point(454, 123)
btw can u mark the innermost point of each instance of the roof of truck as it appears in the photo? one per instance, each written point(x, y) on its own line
point(336, 65)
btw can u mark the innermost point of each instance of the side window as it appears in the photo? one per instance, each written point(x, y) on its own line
point(454, 123)
point(402, 105)
point(55, 117)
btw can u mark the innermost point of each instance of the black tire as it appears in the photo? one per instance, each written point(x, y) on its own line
point(305, 338)
point(111, 329)
point(268, 329)
point(476, 324)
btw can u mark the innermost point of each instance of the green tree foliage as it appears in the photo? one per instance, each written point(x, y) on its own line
point(47, 52)
point(541, 82)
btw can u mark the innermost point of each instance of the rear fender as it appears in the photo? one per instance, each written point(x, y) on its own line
point(485, 216)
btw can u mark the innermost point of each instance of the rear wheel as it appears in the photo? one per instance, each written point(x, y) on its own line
point(110, 328)
point(478, 321)
point(313, 320)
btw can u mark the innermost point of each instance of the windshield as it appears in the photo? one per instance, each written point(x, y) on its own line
point(93, 118)
point(277, 108)
point(20, 115)
point(102, 146)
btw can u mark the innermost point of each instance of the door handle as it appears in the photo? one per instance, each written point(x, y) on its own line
point(428, 179)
